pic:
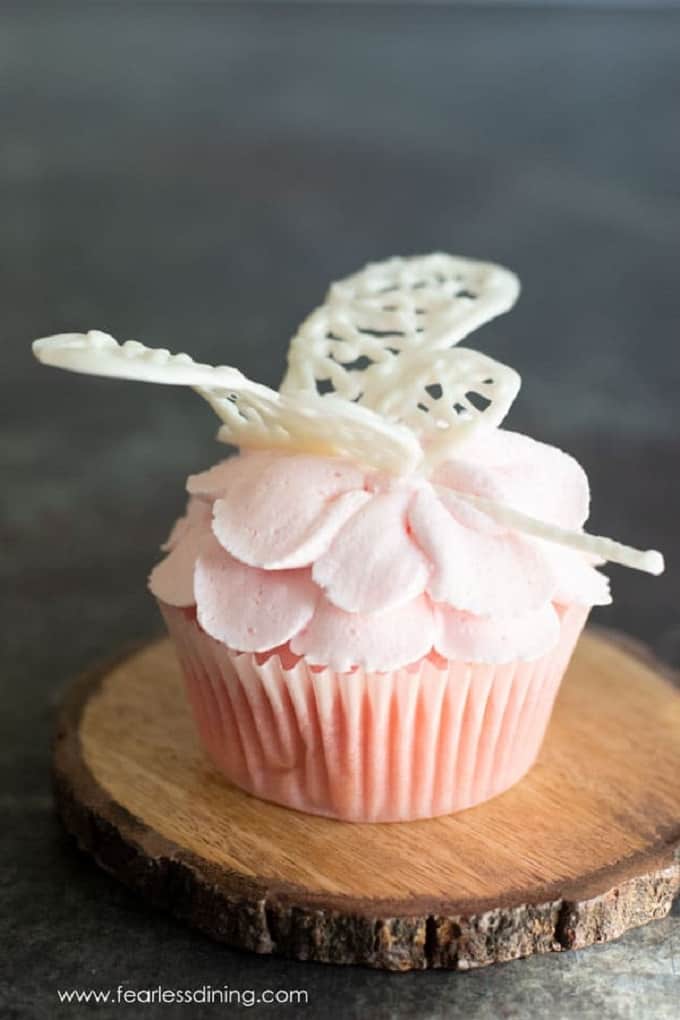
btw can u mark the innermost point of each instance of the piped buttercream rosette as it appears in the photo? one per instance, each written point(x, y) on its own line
point(348, 567)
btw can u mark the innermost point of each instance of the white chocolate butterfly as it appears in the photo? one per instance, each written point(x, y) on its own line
point(383, 339)
point(374, 375)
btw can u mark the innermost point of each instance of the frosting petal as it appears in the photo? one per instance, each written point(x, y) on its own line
point(172, 580)
point(279, 512)
point(197, 514)
point(467, 514)
point(577, 579)
point(215, 480)
point(495, 639)
point(372, 641)
point(479, 572)
point(372, 564)
point(249, 609)
point(533, 477)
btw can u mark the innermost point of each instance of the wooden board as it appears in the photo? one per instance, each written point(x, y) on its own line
point(585, 847)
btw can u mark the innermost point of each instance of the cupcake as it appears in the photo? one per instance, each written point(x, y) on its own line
point(375, 600)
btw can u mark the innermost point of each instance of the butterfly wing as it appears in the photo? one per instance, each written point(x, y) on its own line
point(253, 416)
point(386, 339)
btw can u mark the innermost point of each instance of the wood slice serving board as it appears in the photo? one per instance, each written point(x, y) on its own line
point(585, 847)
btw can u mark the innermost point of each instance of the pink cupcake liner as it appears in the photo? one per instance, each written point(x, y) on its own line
point(426, 740)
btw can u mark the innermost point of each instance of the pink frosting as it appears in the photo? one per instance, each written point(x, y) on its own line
point(351, 568)
point(387, 640)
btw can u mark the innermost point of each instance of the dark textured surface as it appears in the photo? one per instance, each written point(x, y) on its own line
point(193, 178)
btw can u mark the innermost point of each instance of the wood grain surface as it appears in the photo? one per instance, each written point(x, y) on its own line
point(585, 847)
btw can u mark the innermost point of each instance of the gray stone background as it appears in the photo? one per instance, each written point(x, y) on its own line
point(193, 175)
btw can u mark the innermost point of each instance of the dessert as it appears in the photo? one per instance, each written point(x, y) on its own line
point(375, 601)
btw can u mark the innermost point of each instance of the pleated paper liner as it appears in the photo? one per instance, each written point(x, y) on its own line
point(426, 740)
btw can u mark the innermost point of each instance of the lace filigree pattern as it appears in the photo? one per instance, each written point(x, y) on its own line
point(382, 339)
